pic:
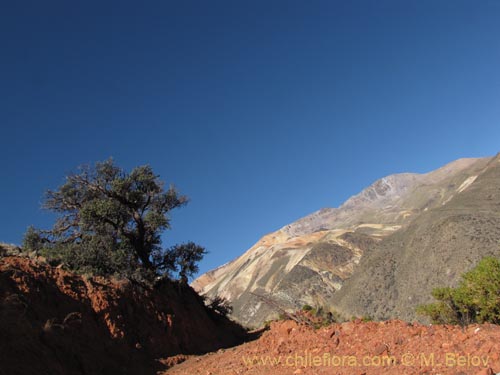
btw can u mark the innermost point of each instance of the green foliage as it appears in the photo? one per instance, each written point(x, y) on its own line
point(475, 300)
point(364, 318)
point(32, 240)
point(307, 308)
point(182, 258)
point(267, 324)
point(321, 317)
point(283, 316)
point(110, 223)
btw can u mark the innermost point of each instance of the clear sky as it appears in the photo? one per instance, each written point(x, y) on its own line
point(260, 111)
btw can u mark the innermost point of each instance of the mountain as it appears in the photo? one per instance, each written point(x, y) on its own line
point(377, 254)
point(435, 249)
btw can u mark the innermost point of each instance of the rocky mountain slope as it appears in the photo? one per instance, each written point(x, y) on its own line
point(309, 261)
point(55, 322)
point(435, 249)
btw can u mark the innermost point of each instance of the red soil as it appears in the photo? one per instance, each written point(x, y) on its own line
point(57, 323)
point(392, 347)
point(54, 322)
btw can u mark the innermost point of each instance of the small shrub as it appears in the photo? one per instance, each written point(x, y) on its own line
point(307, 308)
point(283, 316)
point(475, 300)
point(32, 240)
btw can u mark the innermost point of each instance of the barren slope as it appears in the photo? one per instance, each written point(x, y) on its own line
point(309, 260)
point(434, 250)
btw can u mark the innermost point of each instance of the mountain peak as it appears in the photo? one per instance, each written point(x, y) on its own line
point(308, 261)
point(382, 191)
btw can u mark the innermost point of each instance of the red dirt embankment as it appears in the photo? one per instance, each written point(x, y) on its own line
point(355, 348)
point(54, 322)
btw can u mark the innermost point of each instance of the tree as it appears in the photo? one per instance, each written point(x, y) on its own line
point(110, 219)
point(182, 258)
point(475, 300)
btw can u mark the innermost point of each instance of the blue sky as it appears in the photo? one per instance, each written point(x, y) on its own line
point(260, 111)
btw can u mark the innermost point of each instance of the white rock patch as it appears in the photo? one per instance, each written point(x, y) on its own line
point(468, 182)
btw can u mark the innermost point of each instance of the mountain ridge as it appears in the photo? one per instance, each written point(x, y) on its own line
point(309, 260)
point(445, 242)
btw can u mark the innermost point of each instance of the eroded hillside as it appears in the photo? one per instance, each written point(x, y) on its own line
point(308, 261)
point(434, 250)
point(55, 322)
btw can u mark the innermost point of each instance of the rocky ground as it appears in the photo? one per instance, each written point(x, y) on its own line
point(391, 347)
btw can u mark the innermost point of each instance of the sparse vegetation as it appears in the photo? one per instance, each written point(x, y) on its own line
point(315, 317)
point(110, 223)
point(364, 318)
point(220, 306)
point(307, 308)
point(9, 250)
point(475, 300)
